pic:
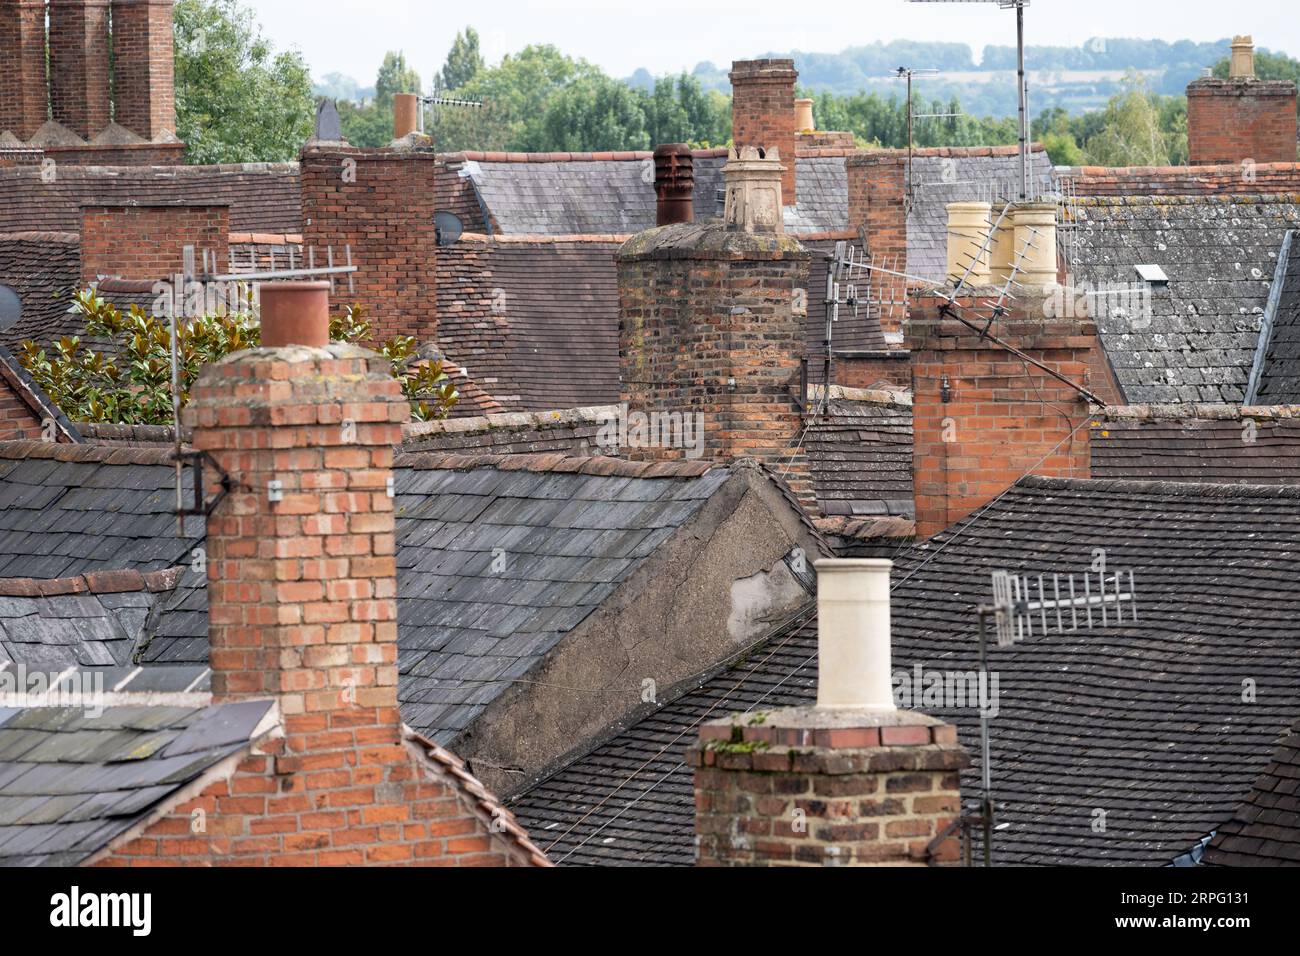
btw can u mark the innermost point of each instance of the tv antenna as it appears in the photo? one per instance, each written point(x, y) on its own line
point(1022, 82)
point(1060, 606)
point(907, 73)
point(440, 102)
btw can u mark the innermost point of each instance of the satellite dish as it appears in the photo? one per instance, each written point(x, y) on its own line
point(448, 226)
point(11, 307)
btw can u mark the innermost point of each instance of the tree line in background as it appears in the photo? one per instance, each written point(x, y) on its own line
point(239, 101)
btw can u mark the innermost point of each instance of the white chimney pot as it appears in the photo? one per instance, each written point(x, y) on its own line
point(854, 670)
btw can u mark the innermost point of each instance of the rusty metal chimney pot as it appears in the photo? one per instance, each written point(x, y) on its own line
point(674, 184)
point(295, 313)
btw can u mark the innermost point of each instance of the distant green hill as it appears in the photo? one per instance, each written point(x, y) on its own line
point(1074, 78)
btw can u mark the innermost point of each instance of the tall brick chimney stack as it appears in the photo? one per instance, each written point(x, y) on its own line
point(302, 572)
point(763, 112)
point(850, 782)
point(144, 79)
point(877, 185)
point(708, 327)
point(23, 96)
point(79, 83)
point(302, 611)
point(983, 416)
point(1241, 118)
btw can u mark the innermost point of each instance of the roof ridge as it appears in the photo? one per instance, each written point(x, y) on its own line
point(1189, 489)
point(26, 448)
point(93, 582)
point(558, 462)
point(502, 819)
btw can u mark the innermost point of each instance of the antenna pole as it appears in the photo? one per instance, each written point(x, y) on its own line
point(1024, 105)
point(986, 801)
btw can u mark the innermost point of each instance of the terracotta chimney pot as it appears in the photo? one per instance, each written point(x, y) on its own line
point(295, 313)
point(406, 114)
point(803, 116)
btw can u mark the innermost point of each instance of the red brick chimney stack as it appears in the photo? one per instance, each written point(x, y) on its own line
point(763, 113)
point(144, 78)
point(302, 591)
point(877, 182)
point(1241, 118)
point(79, 71)
point(23, 98)
point(850, 782)
point(982, 417)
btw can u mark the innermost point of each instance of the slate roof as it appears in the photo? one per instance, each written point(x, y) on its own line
point(71, 780)
point(1144, 720)
point(940, 180)
point(1220, 254)
point(1265, 830)
point(78, 622)
point(565, 543)
point(62, 516)
point(1279, 364)
point(572, 528)
point(616, 196)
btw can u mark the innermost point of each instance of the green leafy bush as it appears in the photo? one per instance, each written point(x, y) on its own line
point(131, 384)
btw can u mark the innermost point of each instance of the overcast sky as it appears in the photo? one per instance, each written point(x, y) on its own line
point(351, 36)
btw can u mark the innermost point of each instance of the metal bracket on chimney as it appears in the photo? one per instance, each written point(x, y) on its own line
point(195, 460)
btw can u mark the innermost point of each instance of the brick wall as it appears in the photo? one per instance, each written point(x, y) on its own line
point(17, 420)
point(1236, 119)
point(873, 370)
point(143, 79)
point(23, 101)
point(762, 112)
point(699, 308)
point(1002, 418)
point(809, 788)
point(877, 184)
point(303, 610)
point(147, 242)
point(79, 82)
point(382, 203)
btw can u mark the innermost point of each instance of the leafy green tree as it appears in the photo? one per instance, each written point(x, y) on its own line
point(595, 113)
point(463, 62)
point(364, 124)
point(237, 100)
point(134, 386)
point(1131, 133)
point(395, 76)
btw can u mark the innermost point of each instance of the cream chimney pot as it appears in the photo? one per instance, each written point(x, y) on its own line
point(753, 183)
point(1243, 58)
point(1034, 243)
point(853, 653)
point(968, 230)
point(803, 116)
